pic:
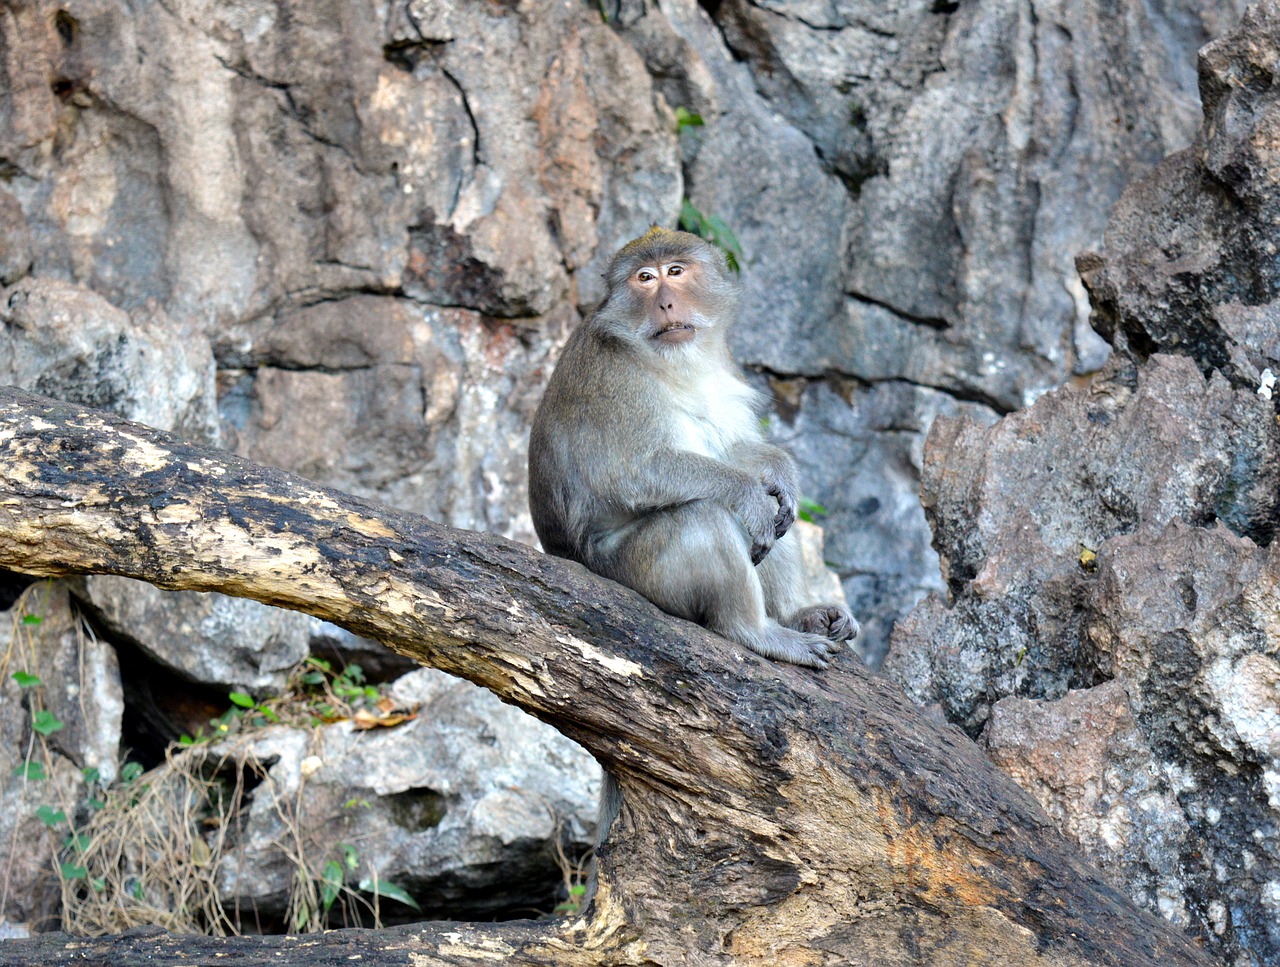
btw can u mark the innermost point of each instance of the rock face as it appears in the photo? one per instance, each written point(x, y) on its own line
point(385, 219)
point(1112, 620)
point(1021, 507)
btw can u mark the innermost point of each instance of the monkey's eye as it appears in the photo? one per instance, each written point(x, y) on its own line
point(646, 275)
point(676, 269)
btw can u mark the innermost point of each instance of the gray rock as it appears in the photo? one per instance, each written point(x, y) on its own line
point(951, 138)
point(1089, 765)
point(459, 806)
point(1112, 538)
point(68, 342)
point(80, 686)
point(422, 407)
point(1184, 619)
point(1190, 261)
point(1014, 507)
point(15, 240)
point(207, 638)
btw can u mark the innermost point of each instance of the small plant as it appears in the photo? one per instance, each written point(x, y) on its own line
point(147, 848)
point(687, 119)
point(714, 230)
point(810, 509)
point(576, 873)
point(384, 888)
point(315, 695)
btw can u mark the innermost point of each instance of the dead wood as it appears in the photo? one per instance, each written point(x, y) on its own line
point(772, 814)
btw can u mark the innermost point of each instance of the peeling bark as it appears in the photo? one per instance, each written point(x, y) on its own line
point(771, 814)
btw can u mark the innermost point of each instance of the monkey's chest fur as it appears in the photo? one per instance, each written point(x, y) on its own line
point(712, 413)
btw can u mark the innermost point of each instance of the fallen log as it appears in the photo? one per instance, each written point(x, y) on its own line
point(771, 814)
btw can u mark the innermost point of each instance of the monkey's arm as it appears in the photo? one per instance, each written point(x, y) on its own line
point(668, 477)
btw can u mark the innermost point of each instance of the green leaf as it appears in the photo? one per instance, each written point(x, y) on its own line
point(723, 235)
point(73, 871)
point(714, 230)
point(32, 619)
point(242, 699)
point(687, 119)
point(313, 678)
point(51, 817)
point(95, 803)
point(131, 771)
point(98, 884)
point(77, 841)
point(330, 883)
point(32, 771)
point(691, 220)
point(26, 681)
point(390, 891)
point(809, 509)
point(91, 774)
point(350, 855)
point(46, 723)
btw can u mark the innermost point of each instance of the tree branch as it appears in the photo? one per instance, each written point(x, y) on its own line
point(768, 809)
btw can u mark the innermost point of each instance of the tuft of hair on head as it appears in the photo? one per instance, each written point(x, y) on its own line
point(660, 244)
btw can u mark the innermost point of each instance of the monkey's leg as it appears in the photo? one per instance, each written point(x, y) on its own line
point(694, 561)
point(782, 579)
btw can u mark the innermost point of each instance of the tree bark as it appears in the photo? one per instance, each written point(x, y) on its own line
point(771, 814)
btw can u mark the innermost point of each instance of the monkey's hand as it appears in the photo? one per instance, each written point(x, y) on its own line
point(785, 490)
point(756, 512)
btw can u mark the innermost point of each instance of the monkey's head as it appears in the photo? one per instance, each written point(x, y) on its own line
point(666, 289)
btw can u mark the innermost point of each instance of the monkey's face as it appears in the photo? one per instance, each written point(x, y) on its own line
point(666, 289)
point(669, 291)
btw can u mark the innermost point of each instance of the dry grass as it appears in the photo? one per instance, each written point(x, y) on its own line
point(151, 855)
point(155, 852)
point(151, 848)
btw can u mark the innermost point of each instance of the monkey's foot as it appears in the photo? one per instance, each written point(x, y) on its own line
point(829, 620)
point(792, 646)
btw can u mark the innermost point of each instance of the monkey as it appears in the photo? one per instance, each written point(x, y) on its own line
point(648, 463)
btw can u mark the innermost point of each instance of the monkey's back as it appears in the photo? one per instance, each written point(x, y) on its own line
point(573, 441)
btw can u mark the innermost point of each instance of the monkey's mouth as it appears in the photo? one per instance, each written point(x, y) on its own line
point(673, 333)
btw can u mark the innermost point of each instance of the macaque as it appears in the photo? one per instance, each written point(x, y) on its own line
point(648, 465)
